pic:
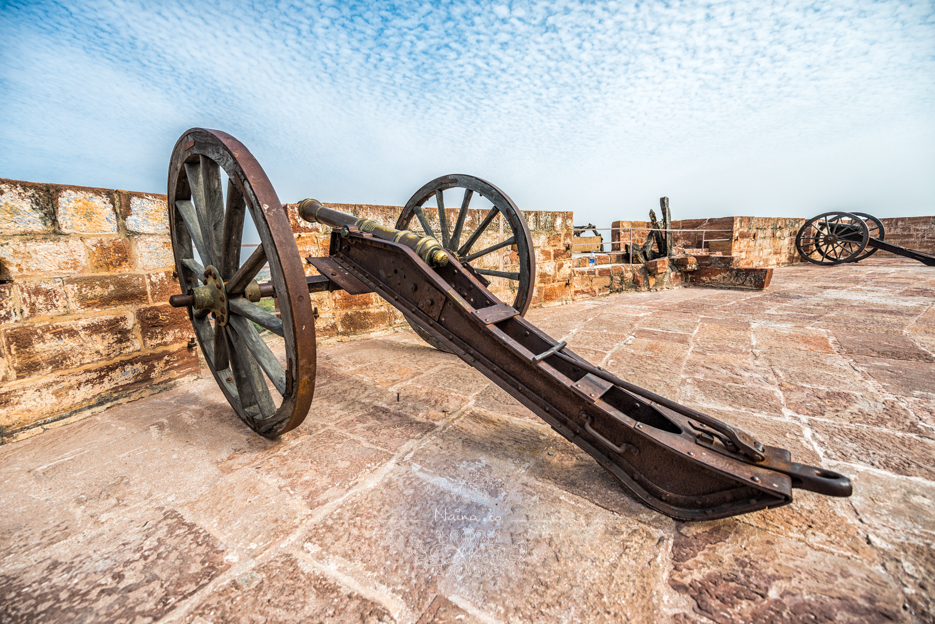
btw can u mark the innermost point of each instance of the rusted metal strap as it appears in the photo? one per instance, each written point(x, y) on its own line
point(552, 351)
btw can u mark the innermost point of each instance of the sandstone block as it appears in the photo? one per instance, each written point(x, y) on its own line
point(48, 256)
point(757, 279)
point(98, 292)
point(35, 349)
point(657, 266)
point(152, 252)
point(86, 212)
point(162, 286)
point(25, 209)
point(344, 301)
point(9, 306)
point(43, 298)
point(356, 321)
point(555, 292)
point(109, 255)
point(298, 224)
point(30, 401)
point(145, 214)
point(163, 325)
point(685, 263)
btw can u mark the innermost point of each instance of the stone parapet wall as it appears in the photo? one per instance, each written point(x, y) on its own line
point(343, 314)
point(916, 233)
point(85, 277)
point(765, 241)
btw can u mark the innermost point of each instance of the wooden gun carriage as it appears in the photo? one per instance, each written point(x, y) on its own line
point(674, 459)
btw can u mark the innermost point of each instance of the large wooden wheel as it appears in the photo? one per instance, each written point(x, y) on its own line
point(876, 230)
point(269, 395)
point(474, 238)
point(832, 238)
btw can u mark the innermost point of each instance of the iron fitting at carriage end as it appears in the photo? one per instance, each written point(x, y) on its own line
point(426, 247)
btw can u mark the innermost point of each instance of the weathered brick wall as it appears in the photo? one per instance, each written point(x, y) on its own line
point(916, 233)
point(85, 276)
point(343, 314)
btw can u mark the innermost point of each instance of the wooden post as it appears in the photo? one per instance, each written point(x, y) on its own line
point(666, 224)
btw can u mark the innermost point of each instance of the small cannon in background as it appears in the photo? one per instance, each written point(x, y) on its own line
point(676, 460)
point(839, 237)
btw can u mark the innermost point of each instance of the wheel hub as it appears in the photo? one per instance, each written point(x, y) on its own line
point(213, 296)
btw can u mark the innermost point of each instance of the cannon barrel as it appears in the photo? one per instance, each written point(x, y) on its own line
point(426, 247)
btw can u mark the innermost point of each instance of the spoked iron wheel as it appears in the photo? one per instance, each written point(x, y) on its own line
point(832, 238)
point(876, 230)
point(225, 318)
point(475, 237)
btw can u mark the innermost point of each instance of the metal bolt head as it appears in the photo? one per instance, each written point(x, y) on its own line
point(755, 479)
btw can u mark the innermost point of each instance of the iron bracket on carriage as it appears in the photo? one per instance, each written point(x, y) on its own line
point(838, 237)
point(679, 461)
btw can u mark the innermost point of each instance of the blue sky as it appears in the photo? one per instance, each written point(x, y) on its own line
point(754, 108)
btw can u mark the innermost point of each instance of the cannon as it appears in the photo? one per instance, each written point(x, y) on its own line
point(678, 461)
point(838, 237)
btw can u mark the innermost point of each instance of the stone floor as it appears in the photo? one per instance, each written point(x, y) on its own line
point(418, 492)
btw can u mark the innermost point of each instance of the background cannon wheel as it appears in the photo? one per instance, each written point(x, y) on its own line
point(876, 229)
point(202, 212)
point(832, 238)
point(500, 250)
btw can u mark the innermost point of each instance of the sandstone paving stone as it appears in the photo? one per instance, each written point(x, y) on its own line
point(900, 454)
point(707, 393)
point(656, 374)
point(792, 338)
point(862, 408)
point(813, 369)
point(457, 378)
point(882, 346)
point(901, 377)
point(495, 400)
point(719, 367)
point(386, 428)
point(287, 589)
point(897, 514)
point(322, 467)
point(736, 573)
point(653, 347)
point(246, 513)
point(130, 569)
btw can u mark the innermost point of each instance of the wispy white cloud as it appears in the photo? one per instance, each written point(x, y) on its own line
point(769, 108)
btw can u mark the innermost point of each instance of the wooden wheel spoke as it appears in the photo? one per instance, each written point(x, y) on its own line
point(260, 351)
point(192, 265)
point(221, 350)
point(442, 217)
point(488, 219)
point(251, 385)
point(507, 275)
point(425, 222)
point(246, 272)
point(258, 315)
point(204, 179)
point(492, 248)
point(462, 215)
point(233, 231)
point(187, 210)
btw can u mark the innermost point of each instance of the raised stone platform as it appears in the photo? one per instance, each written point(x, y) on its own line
point(418, 492)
